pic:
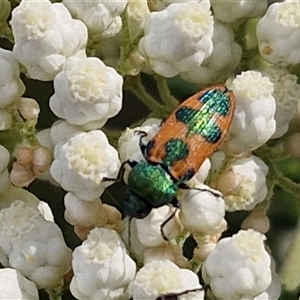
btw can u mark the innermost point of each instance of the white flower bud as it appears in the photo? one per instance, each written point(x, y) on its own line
point(13, 285)
point(244, 182)
point(287, 94)
point(34, 246)
point(178, 38)
point(100, 16)
point(104, 256)
point(238, 10)
point(162, 277)
point(91, 214)
point(81, 163)
point(278, 33)
point(11, 86)
point(41, 160)
point(201, 209)
point(6, 120)
point(45, 35)
point(150, 230)
point(21, 175)
point(87, 92)
point(137, 11)
point(251, 126)
point(28, 108)
point(257, 220)
point(239, 267)
point(202, 251)
point(24, 156)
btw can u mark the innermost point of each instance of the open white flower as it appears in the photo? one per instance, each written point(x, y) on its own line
point(239, 267)
point(278, 33)
point(33, 246)
point(287, 96)
point(100, 16)
point(102, 268)
point(13, 285)
point(86, 215)
point(81, 163)
point(45, 36)
point(11, 86)
point(87, 92)
point(224, 58)
point(162, 277)
point(251, 126)
point(201, 209)
point(152, 231)
point(178, 38)
point(243, 182)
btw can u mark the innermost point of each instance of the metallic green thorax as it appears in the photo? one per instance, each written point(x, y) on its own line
point(152, 184)
point(203, 121)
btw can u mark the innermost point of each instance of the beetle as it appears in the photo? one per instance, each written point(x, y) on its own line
point(190, 134)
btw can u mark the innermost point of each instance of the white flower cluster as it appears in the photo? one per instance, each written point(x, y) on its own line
point(104, 256)
point(33, 246)
point(97, 53)
point(178, 38)
point(102, 17)
point(45, 36)
point(87, 92)
point(244, 259)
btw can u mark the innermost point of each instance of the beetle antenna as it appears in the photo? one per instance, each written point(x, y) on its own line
point(166, 222)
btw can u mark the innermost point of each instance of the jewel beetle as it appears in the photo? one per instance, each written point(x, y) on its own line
point(189, 135)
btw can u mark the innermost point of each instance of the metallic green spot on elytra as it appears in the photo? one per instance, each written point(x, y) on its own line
point(197, 120)
point(176, 149)
point(216, 101)
point(212, 133)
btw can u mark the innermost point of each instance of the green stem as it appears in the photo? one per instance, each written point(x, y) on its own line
point(164, 91)
point(54, 294)
point(275, 177)
point(134, 84)
point(113, 135)
point(274, 153)
point(129, 44)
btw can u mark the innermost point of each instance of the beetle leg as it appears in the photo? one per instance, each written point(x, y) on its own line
point(143, 146)
point(120, 175)
point(163, 224)
point(184, 186)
